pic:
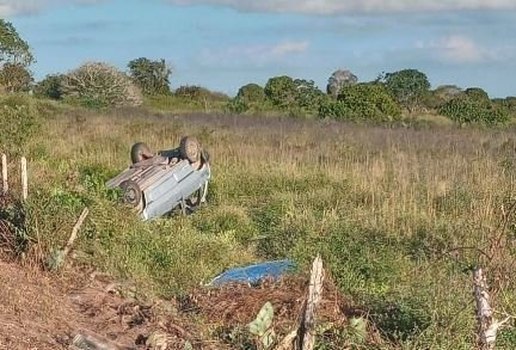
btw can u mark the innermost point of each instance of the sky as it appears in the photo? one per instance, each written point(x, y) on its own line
point(224, 44)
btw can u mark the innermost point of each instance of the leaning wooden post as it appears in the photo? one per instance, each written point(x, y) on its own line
point(5, 184)
point(487, 325)
point(24, 179)
point(306, 335)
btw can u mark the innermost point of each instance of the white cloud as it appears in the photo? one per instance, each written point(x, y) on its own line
point(258, 54)
point(22, 7)
point(353, 6)
point(458, 49)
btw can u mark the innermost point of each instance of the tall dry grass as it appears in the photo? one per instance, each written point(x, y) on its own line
point(399, 214)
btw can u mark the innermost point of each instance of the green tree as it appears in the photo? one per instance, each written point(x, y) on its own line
point(363, 101)
point(15, 77)
point(472, 107)
point(408, 86)
point(442, 94)
point(308, 96)
point(50, 87)
point(281, 91)
point(478, 95)
point(13, 49)
point(338, 80)
point(153, 77)
point(251, 94)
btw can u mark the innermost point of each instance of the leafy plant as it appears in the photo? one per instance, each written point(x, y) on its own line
point(261, 327)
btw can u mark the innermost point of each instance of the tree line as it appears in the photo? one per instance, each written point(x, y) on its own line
point(389, 97)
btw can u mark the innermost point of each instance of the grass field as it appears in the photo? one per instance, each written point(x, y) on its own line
point(400, 215)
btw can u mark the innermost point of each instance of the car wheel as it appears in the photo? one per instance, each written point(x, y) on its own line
point(140, 151)
point(132, 194)
point(190, 149)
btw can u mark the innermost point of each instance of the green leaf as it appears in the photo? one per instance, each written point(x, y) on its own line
point(263, 321)
point(358, 327)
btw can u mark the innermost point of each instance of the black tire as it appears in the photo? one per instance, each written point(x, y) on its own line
point(190, 149)
point(132, 193)
point(140, 151)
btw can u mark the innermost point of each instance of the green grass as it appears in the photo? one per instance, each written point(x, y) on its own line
point(393, 211)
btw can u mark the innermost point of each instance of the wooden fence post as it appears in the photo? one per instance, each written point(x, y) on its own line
point(24, 178)
point(5, 184)
point(306, 335)
point(487, 325)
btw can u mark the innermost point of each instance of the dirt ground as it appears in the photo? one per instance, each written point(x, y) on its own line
point(44, 311)
point(39, 311)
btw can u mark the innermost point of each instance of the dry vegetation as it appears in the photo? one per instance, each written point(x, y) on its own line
point(400, 215)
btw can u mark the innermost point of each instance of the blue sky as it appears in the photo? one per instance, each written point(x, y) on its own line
point(224, 44)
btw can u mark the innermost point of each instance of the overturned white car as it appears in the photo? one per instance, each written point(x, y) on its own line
point(155, 184)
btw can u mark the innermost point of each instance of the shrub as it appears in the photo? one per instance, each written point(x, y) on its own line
point(308, 97)
point(19, 122)
point(442, 94)
point(333, 109)
point(251, 94)
point(281, 91)
point(100, 85)
point(200, 94)
point(473, 108)
point(50, 87)
point(153, 77)
point(14, 77)
point(366, 101)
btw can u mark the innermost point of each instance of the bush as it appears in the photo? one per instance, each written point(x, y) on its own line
point(50, 87)
point(473, 108)
point(364, 101)
point(332, 109)
point(15, 77)
point(251, 94)
point(200, 94)
point(442, 94)
point(100, 85)
point(19, 123)
point(281, 91)
point(153, 77)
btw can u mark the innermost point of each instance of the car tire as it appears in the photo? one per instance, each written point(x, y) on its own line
point(190, 149)
point(132, 194)
point(140, 151)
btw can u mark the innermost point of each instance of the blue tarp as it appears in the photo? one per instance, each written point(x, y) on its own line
point(253, 274)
